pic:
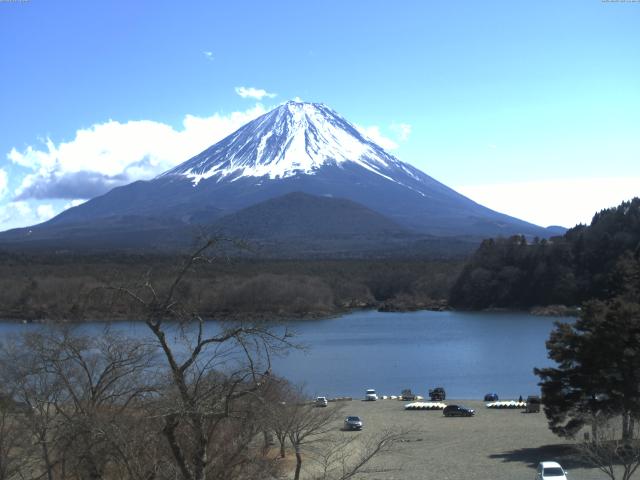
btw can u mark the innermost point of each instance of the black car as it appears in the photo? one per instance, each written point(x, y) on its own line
point(437, 394)
point(407, 394)
point(491, 397)
point(533, 404)
point(457, 411)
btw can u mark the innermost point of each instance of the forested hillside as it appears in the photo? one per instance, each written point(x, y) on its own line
point(598, 261)
point(61, 287)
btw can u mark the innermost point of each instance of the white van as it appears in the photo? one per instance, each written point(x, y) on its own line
point(370, 394)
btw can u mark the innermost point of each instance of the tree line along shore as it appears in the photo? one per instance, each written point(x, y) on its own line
point(68, 287)
point(548, 277)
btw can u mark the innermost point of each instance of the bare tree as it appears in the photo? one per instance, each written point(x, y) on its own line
point(136, 449)
point(14, 440)
point(279, 395)
point(210, 373)
point(31, 385)
point(613, 455)
point(79, 389)
point(343, 458)
point(308, 425)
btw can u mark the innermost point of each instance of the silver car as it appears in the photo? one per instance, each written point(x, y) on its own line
point(353, 423)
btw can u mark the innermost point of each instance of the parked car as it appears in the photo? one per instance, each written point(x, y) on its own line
point(370, 394)
point(458, 411)
point(437, 394)
point(407, 394)
point(353, 423)
point(550, 470)
point(533, 404)
point(321, 402)
point(491, 397)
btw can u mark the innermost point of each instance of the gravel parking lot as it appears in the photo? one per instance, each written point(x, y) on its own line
point(494, 444)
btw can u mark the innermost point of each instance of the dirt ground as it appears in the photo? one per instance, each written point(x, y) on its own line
point(494, 444)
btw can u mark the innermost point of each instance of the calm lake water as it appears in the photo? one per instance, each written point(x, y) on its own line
point(469, 354)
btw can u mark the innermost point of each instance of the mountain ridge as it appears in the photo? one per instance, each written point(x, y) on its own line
point(299, 214)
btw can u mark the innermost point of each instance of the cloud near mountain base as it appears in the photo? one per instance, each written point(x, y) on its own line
point(563, 202)
point(4, 181)
point(82, 184)
point(110, 154)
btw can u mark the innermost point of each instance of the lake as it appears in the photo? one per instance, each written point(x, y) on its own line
point(469, 354)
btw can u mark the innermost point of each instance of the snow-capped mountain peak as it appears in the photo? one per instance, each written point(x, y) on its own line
point(287, 164)
point(294, 138)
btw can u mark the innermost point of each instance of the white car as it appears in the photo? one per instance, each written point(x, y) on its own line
point(321, 402)
point(551, 471)
point(370, 394)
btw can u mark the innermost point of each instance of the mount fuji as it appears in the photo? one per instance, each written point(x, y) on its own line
point(297, 156)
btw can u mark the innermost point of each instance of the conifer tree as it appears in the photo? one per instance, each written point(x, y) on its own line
point(598, 368)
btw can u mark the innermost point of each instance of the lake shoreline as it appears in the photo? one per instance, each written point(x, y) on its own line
point(388, 306)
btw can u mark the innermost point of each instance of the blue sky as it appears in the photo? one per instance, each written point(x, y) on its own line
point(532, 108)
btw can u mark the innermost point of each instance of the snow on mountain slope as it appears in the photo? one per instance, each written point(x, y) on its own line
point(295, 138)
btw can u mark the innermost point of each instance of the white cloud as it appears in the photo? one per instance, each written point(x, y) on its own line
point(45, 212)
point(109, 154)
point(4, 180)
point(208, 54)
point(74, 203)
point(564, 202)
point(22, 208)
point(257, 93)
point(18, 214)
point(373, 133)
point(402, 130)
point(15, 214)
